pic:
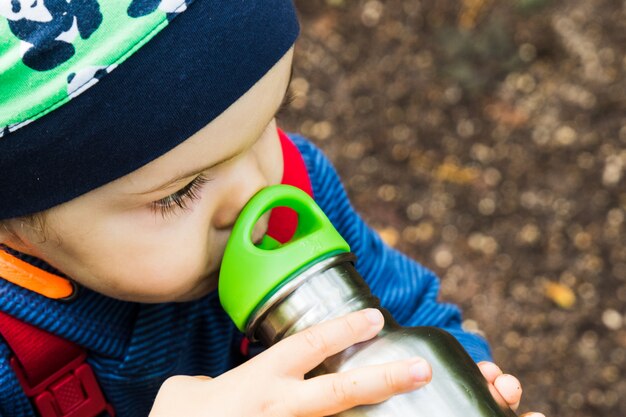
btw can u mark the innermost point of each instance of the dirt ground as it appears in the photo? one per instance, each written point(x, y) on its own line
point(487, 139)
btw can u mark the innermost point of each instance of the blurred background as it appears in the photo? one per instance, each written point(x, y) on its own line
point(487, 139)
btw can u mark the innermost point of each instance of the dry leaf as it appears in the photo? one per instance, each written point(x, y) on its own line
point(451, 172)
point(561, 294)
point(389, 235)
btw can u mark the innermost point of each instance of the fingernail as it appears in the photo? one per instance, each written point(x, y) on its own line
point(420, 371)
point(374, 316)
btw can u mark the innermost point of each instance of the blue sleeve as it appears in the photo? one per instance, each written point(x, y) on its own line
point(407, 289)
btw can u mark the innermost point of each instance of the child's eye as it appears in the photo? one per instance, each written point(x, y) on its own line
point(181, 198)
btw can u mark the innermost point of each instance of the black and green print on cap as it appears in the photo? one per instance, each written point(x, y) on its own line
point(91, 90)
point(53, 50)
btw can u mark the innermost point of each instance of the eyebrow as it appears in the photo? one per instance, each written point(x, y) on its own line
point(221, 161)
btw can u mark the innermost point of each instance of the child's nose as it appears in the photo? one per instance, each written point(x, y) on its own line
point(246, 182)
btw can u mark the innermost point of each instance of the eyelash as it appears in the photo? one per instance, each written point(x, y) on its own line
point(181, 199)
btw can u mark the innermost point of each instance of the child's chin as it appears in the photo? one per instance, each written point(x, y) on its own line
point(204, 286)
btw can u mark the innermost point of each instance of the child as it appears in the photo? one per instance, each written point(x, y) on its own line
point(134, 133)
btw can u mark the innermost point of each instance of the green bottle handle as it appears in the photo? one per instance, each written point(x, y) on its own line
point(249, 274)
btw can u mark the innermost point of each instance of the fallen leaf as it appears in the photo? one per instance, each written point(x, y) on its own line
point(562, 295)
point(389, 235)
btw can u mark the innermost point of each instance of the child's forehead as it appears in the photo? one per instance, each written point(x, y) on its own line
point(169, 88)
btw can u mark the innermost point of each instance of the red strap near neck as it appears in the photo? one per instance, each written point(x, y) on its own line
point(283, 221)
point(38, 352)
point(52, 372)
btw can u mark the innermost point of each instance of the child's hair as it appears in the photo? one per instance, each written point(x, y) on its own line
point(36, 222)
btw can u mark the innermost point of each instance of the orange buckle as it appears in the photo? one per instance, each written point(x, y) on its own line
point(35, 279)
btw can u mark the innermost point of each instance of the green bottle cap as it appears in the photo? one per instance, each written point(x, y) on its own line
point(252, 273)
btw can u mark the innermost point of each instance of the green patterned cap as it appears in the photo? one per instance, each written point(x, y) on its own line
point(53, 50)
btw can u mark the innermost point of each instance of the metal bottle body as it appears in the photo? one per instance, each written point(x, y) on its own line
point(332, 288)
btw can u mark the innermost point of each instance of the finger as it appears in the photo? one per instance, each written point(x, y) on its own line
point(510, 389)
point(489, 370)
point(330, 394)
point(532, 415)
point(497, 396)
point(300, 353)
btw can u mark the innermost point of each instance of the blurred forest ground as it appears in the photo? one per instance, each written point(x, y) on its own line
point(487, 139)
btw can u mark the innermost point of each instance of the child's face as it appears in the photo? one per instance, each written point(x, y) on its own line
point(130, 239)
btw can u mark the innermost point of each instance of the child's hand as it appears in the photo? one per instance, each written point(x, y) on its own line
point(505, 388)
point(273, 384)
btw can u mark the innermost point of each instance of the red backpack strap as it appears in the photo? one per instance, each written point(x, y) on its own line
point(53, 372)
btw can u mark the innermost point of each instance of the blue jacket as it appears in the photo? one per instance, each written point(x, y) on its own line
point(134, 347)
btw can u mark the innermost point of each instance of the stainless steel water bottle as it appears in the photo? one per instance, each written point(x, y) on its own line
point(273, 290)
